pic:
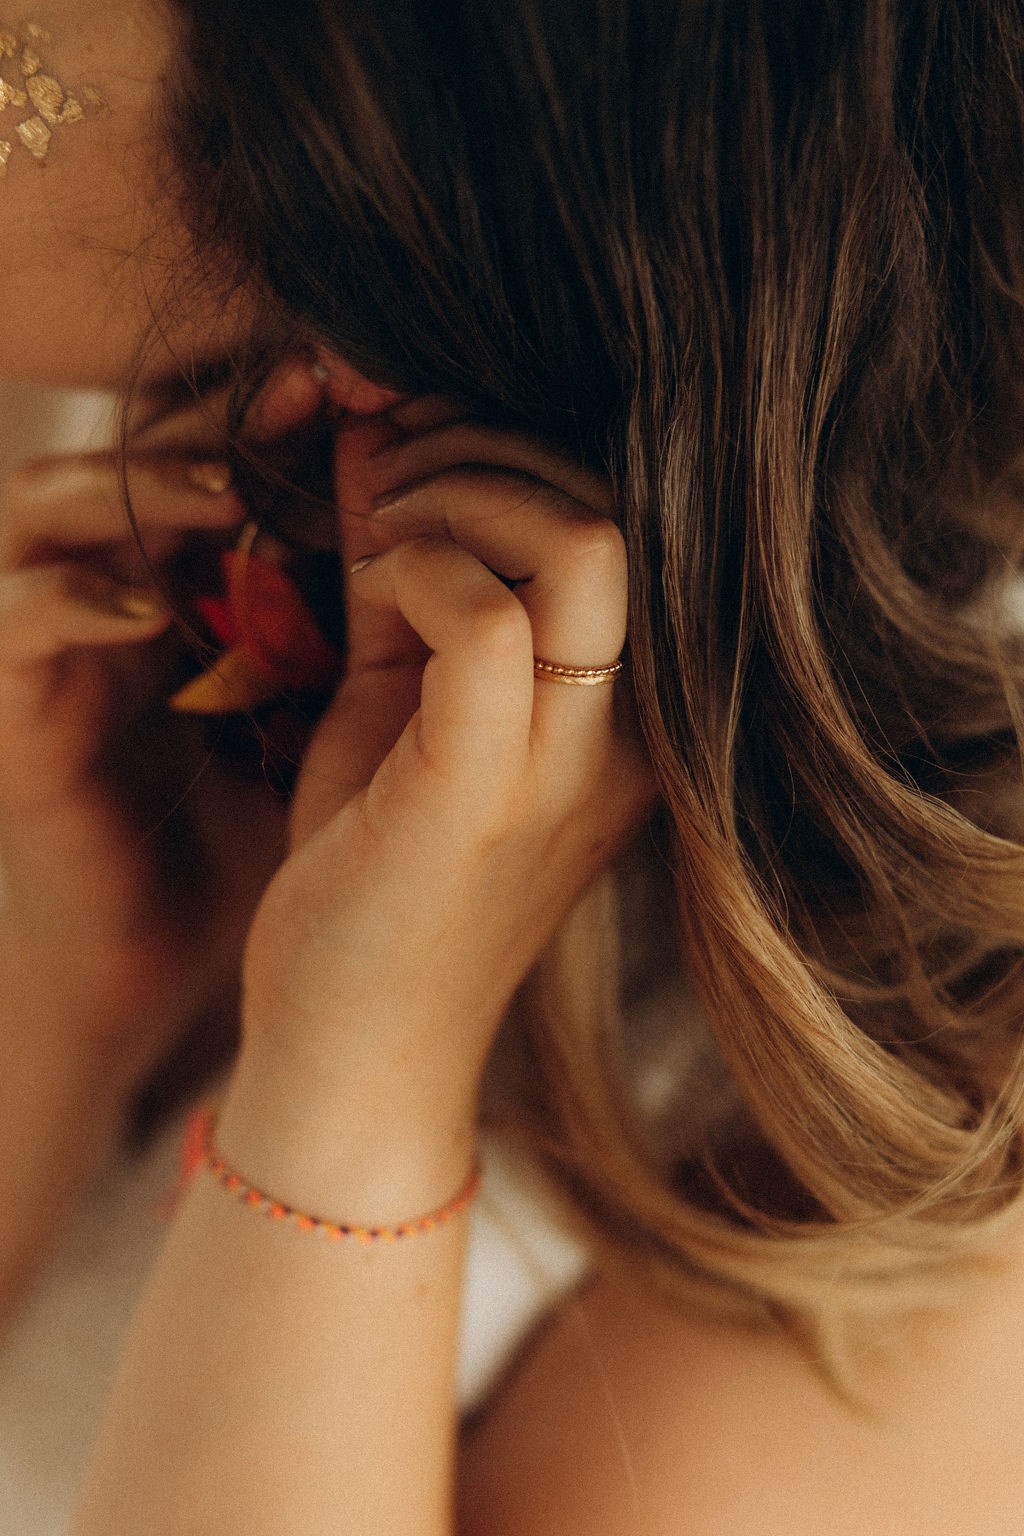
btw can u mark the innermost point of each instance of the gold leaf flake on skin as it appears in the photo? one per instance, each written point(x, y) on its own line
point(47, 96)
point(50, 103)
point(11, 96)
point(35, 136)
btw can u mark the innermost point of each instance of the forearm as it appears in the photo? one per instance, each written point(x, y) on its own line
point(277, 1381)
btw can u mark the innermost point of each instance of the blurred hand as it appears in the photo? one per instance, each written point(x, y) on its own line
point(127, 888)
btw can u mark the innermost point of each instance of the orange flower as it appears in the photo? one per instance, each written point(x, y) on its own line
point(272, 642)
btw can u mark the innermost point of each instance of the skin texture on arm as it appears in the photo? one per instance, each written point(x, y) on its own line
point(277, 1383)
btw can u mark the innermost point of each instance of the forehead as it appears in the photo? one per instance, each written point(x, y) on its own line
point(79, 189)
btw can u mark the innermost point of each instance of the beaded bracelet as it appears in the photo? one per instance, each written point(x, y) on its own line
point(199, 1153)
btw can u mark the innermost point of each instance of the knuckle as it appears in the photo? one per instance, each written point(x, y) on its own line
point(599, 552)
point(498, 623)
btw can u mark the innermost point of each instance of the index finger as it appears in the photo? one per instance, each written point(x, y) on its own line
point(53, 505)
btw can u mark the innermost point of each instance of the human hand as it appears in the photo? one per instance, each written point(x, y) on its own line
point(451, 805)
point(119, 925)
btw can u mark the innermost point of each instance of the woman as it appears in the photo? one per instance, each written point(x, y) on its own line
point(758, 271)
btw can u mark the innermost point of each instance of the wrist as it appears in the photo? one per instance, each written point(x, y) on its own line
point(359, 1154)
point(386, 1069)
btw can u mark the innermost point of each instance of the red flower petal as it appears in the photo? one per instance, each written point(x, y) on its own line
point(274, 626)
point(216, 614)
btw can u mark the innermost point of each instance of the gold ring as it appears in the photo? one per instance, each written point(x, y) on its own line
point(580, 677)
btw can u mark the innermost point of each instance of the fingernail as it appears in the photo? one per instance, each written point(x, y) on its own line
point(361, 563)
point(139, 605)
point(107, 596)
point(212, 476)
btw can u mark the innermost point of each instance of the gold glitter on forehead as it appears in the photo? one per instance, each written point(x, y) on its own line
point(47, 96)
point(35, 136)
point(11, 96)
point(52, 105)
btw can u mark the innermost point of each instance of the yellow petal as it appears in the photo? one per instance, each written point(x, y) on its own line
point(231, 686)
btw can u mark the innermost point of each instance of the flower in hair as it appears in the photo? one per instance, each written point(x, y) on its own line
point(272, 643)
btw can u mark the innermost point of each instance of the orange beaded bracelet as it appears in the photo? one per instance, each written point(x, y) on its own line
point(199, 1153)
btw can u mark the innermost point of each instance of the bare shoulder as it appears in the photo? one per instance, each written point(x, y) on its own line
point(627, 1417)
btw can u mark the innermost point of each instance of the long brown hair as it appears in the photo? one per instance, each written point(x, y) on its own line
point(762, 262)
